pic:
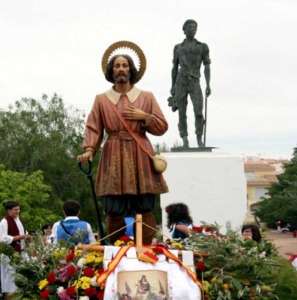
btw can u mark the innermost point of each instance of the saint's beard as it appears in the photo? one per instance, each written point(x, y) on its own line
point(121, 78)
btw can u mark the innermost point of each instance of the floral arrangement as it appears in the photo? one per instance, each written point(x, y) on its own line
point(228, 267)
point(232, 268)
point(75, 277)
point(57, 273)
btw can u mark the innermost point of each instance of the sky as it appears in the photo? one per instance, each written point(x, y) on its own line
point(56, 46)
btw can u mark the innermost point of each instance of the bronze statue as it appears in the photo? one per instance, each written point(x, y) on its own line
point(187, 59)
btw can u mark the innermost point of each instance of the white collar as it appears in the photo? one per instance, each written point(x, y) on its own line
point(114, 96)
point(71, 218)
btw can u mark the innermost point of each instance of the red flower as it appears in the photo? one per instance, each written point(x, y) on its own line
point(71, 270)
point(100, 295)
point(89, 272)
point(51, 278)
point(45, 293)
point(198, 229)
point(90, 292)
point(125, 238)
point(200, 266)
point(100, 271)
point(70, 291)
point(69, 257)
point(208, 229)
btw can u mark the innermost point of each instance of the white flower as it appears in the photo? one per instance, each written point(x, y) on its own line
point(94, 281)
point(81, 262)
point(60, 289)
point(84, 298)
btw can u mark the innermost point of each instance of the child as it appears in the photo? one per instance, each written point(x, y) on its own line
point(252, 232)
point(179, 220)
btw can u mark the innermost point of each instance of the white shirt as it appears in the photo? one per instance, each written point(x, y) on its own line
point(8, 239)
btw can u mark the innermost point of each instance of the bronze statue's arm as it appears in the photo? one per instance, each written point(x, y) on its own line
point(174, 70)
point(206, 62)
point(207, 79)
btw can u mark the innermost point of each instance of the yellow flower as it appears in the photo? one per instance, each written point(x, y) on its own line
point(85, 282)
point(42, 284)
point(78, 252)
point(82, 283)
point(98, 259)
point(205, 285)
point(76, 284)
point(60, 254)
point(118, 243)
point(90, 258)
point(176, 245)
point(205, 282)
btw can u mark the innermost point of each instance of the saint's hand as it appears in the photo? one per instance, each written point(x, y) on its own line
point(132, 113)
point(208, 91)
point(85, 157)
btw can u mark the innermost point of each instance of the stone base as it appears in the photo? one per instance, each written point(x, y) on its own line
point(212, 184)
point(192, 149)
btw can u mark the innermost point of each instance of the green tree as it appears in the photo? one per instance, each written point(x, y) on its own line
point(281, 201)
point(32, 194)
point(46, 135)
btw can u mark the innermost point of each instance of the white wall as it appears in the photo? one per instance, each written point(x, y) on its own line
point(212, 184)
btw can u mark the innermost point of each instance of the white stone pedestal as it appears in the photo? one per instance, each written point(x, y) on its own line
point(212, 184)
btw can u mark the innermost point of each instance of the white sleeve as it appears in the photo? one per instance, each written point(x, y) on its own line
point(54, 234)
point(91, 234)
point(4, 236)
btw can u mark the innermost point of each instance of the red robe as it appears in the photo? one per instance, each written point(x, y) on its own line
point(124, 168)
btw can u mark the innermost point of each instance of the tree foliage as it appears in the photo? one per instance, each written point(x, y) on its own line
point(32, 194)
point(46, 135)
point(281, 201)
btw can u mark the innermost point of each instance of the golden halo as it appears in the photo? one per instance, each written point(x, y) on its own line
point(110, 51)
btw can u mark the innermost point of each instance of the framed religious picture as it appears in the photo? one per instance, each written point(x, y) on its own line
point(142, 285)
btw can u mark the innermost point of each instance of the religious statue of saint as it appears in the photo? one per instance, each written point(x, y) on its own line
point(188, 57)
point(125, 178)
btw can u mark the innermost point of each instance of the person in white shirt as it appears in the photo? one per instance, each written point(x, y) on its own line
point(72, 229)
point(12, 232)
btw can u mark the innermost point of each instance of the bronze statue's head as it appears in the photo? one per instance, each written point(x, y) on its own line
point(190, 21)
point(109, 69)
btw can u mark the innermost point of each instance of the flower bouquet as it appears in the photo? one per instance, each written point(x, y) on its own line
point(74, 277)
point(233, 268)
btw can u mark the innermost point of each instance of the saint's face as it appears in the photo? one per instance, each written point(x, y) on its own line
point(121, 70)
point(14, 212)
point(191, 30)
